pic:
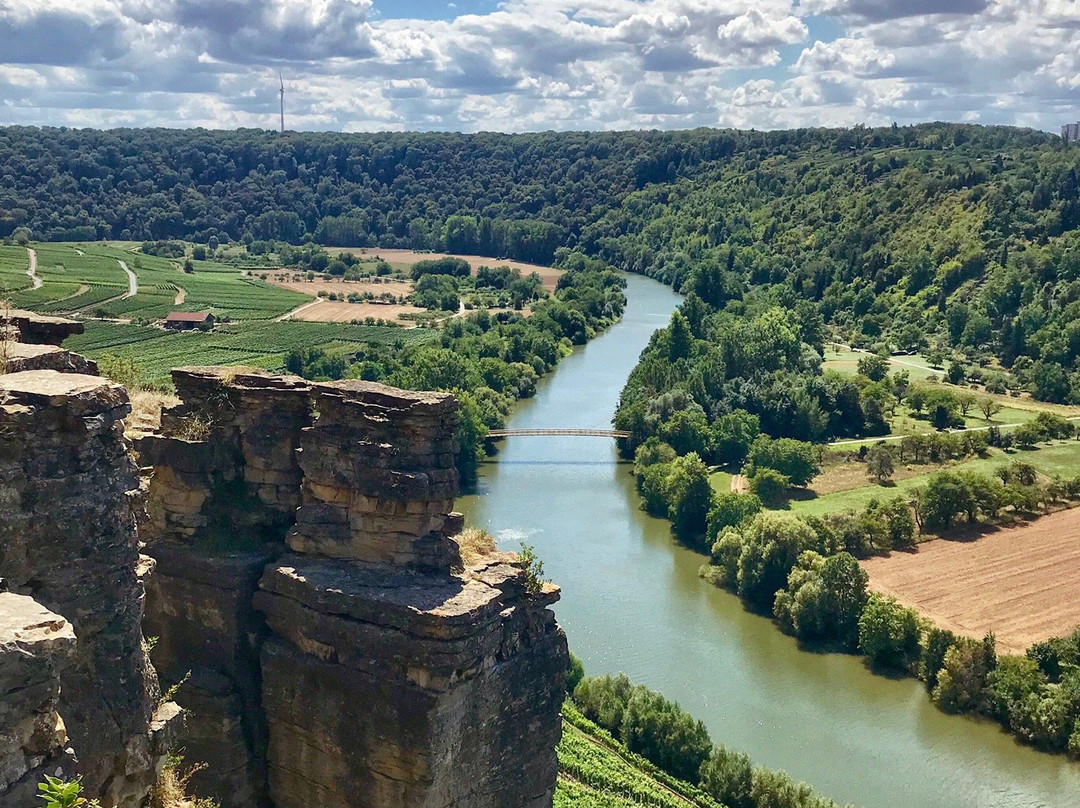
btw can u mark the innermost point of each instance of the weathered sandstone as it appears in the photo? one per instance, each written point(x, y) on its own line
point(40, 329)
point(68, 493)
point(35, 646)
point(383, 674)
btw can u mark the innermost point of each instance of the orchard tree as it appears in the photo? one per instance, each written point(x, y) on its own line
point(989, 408)
point(879, 463)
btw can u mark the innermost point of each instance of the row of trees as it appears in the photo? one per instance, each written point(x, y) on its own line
point(804, 573)
point(659, 730)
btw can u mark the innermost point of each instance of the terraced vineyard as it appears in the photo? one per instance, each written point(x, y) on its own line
point(255, 344)
point(596, 771)
point(89, 278)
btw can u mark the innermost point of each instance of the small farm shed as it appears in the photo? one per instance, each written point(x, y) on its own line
point(186, 320)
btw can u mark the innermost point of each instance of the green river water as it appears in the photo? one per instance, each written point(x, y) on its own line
point(632, 602)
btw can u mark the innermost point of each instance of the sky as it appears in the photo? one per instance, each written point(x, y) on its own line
point(531, 65)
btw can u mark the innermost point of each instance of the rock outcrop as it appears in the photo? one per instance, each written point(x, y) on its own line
point(384, 673)
point(35, 646)
point(30, 341)
point(68, 490)
point(40, 329)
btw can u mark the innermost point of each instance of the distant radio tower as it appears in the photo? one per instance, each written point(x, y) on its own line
point(282, 93)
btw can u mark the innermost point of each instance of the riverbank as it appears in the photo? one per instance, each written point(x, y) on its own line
point(633, 603)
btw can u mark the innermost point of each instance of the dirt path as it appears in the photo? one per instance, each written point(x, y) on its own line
point(739, 484)
point(32, 271)
point(854, 441)
point(303, 307)
point(181, 295)
point(1020, 582)
point(133, 281)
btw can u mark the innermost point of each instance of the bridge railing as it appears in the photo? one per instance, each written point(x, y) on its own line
point(546, 433)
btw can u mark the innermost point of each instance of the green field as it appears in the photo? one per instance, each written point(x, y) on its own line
point(256, 344)
point(595, 771)
point(1059, 458)
point(88, 278)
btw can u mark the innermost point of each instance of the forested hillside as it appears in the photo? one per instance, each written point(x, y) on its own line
point(944, 237)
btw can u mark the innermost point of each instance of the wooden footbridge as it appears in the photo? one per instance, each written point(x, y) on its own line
point(558, 433)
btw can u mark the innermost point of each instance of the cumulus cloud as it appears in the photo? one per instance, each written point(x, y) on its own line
point(539, 64)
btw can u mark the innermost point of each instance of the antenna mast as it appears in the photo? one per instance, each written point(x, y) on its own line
point(282, 94)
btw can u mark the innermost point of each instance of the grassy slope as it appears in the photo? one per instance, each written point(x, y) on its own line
point(1059, 458)
point(595, 771)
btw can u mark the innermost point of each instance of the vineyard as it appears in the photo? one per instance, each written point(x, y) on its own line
point(258, 344)
point(90, 279)
point(596, 771)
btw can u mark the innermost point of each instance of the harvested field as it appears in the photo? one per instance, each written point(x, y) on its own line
point(341, 311)
point(335, 311)
point(406, 258)
point(1021, 583)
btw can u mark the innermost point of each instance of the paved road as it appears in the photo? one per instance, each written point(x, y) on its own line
point(133, 281)
point(32, 272)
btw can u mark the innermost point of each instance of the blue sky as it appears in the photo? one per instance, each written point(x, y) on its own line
point(526, 65)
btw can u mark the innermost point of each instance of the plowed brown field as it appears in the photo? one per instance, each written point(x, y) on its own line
point(1022, 583)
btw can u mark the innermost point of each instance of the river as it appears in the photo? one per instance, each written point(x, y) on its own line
point(632, 602)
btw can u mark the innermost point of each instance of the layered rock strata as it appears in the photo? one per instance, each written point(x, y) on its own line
point(35, 646)
point(16, 357)
point(224, 485)
point(40, 329)
point(68, 491)
point(387, 675)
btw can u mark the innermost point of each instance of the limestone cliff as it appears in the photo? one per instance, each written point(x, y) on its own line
point(383, 674)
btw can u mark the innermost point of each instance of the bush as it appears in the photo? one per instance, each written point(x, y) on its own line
point(769, 485)
point(962, 680)
point(888, 632)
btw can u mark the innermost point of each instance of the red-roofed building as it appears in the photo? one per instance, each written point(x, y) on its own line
point(186, 320)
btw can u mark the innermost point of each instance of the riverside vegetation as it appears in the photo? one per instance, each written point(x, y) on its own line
point(958, 242)
point(624, 745)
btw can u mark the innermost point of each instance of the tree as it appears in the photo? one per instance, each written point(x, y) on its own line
point(689, 497)
point(731, 510)
point(879, 463)
point(795, 459)
point(944, 496)
point(771, 544)
point(733, 434)
point(727, 777)
point(965, 401)
point(955, 373)
point(989, 408)
point(888, 632)
point(823, 599)
point(769, 485)
point(873, 366)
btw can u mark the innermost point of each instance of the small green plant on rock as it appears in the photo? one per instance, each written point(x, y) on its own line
point(534, 569)
point(59, 793)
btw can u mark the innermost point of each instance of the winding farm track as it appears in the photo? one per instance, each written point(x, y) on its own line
point(181, 295)
point(133, 281)
point(32, 271)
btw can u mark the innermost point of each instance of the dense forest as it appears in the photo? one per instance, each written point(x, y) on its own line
point(954, 238)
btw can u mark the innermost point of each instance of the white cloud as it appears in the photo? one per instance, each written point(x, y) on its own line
point(538, 64)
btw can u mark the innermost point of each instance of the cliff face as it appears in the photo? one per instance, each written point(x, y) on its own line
point(67, 538)
point(383, 674)
point(35, 646)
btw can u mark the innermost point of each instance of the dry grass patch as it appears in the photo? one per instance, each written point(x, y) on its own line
point(476, 545)
point(146, 407)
